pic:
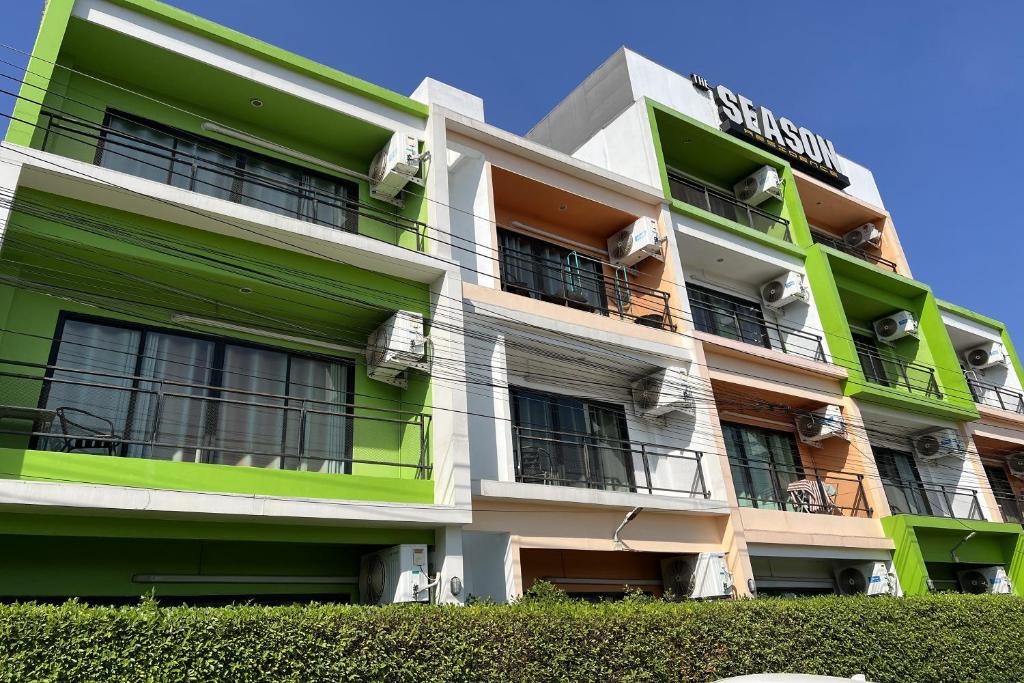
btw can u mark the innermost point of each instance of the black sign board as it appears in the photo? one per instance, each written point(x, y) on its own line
point(803, 148)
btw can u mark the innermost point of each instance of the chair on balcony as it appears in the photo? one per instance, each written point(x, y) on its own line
point(538, 467)
point(809, 495)
point(84, 431)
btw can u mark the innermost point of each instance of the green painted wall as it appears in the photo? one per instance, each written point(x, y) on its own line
point(924, 545)
point(152, 270)
point(985, 321)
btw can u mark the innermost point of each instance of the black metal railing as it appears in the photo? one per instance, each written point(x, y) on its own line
point(994, 395)
point(73, 410)
point(810, 490)
point(1011, 508)
point(544, 456)
point(838, 244)
point(895, 372)
point(184, 165)
point(582, 283)
point(754, 329)
point(727, 206)
point(933, 500)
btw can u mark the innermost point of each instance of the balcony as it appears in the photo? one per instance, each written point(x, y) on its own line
point(1011, 508)
point(567, 278)
point(838, 244)
point(751, 328)
point(132, 416)
point(544, 456)
point(807, 490)
point(727, 206)
point(163, 154)
point(932, 500)
point(897, 373)
point(993, 395)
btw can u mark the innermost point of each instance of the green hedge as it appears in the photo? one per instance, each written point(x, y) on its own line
point(933, 638)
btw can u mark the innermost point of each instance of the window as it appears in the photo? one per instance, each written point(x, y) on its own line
point(549, 272)
point(570, 442)
point(727, 316)
point(175, 396)
point(153, 151)
point(871, 360)
point(1003, 491)
point(764, 463)
point(902, 483)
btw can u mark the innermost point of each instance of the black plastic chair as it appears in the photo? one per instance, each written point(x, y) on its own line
point(80, 437)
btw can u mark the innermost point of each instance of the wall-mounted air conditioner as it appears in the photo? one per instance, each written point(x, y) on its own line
point(1015, 463)
point(986, 356)
point(633, 244)
point(665, 391)
point(867, 235)
point(760, 186)
point(394, 167)
point(938, 443)
point(784, 290)
point(821, 424)
point(865, 578)
point(697, 576)
point(396, 347)
point(896, 326)
point(984, 580)
point(396, 574)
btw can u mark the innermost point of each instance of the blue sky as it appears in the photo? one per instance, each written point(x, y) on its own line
point(928, 95)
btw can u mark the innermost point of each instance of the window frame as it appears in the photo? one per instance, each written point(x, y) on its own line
point(736, 300)
point(216, 373)
point(731, 431)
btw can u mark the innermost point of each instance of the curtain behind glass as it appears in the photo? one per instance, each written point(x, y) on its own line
point(517, 261)
point(272, 187)
point(327, 422)
point(142, 151)
point(179, 414)
point(901, 482)
point(92, 409)
point(611, 455)
point(763, 464)
point(251, 435)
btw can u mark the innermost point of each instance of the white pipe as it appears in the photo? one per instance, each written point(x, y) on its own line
point(280, 149)
point(186, 319)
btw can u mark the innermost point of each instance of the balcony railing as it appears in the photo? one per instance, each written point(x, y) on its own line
point(809, 490)
point(580, 282)
point(544, 456)
point(890, 371)
point(756, 330)
point(727, 206)
point(1012, 509)
point(994, 395)
point(192, 163)
point(67, 409)
point(863, 254)
point(933, 500)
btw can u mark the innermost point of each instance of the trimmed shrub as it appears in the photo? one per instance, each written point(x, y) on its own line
point(932, 638)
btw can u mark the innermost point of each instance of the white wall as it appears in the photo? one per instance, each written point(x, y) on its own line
point(470, 215)
point(489, 566)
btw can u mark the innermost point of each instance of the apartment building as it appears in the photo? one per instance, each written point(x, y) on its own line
point(231, 363)
point(275, 333)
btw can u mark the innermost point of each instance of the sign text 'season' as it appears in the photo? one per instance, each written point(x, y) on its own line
point(803, 148)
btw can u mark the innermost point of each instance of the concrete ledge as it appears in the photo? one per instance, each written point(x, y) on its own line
point(777, 527)
point(730, 347)
point(542, 493)
point(36, 496)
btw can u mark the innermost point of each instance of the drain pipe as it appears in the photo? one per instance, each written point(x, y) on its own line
point(963, 540)
point(630, 516)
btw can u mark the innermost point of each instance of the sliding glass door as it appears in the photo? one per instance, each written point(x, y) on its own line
point(764, 463)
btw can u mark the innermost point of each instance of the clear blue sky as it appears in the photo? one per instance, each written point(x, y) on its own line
point(928, 94)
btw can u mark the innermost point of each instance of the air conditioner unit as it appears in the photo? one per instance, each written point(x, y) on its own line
point(866, 235)
point(395, 347)
point(396, 574)
point(760, 186)
point(984, 580)
point(394, 166)
point(986, 356)
point(936, 444)
point(821, 424)
point(665, 391)
point(635, 243)
point(865, 578)
point(896, 326)
point(1015, 463)
point(784, 290)
point(697, 576)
